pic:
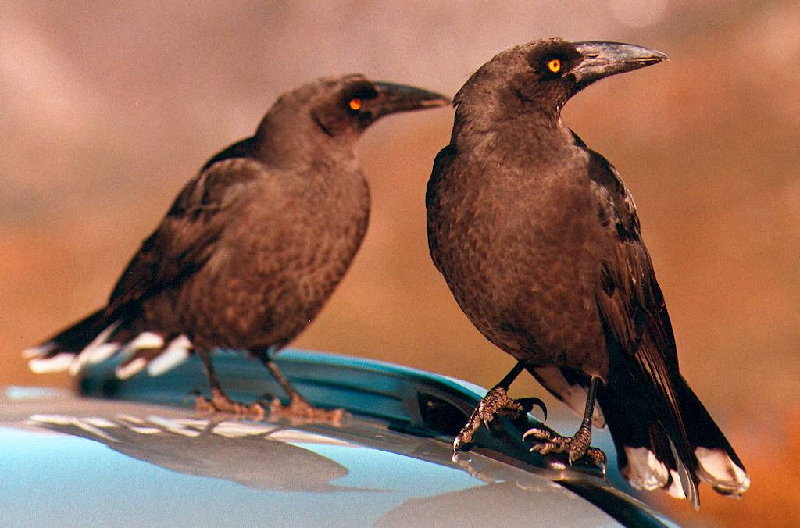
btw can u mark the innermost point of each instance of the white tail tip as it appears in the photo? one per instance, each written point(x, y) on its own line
point(57, 363)
point(176, 353)
point(129, 369)
point(717, 468)
point(644, 470)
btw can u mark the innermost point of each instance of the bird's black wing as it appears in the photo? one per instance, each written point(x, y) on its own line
point(188, 234)
point(441, 165)
point(641, 402)
point(244, 148)
point(629, 298)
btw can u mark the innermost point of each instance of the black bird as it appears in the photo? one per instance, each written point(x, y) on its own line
point(539, 241)
point(252, 247)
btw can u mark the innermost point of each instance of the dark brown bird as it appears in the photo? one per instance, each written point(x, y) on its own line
point(252, 247)
point(539, 241)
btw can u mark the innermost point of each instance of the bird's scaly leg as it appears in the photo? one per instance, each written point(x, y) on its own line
point(495, 403)
point(219, 401)
point(576, 446)
point(298, 407)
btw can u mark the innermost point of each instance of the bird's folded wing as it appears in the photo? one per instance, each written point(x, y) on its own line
point(441, 165)
point(633, 310)
point(637, 325)
point(188, 234)
point(628, 296)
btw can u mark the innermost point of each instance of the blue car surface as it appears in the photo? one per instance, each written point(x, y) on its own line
point(135, 453)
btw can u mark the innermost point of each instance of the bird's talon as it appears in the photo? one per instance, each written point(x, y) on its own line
point(598, 458)
point(538, 434)
point(219, 402)
point(301, 411)
point(527, 405)
point(576, 447)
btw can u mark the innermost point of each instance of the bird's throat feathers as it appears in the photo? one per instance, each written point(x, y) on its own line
point(507, 120)
point(504, 111)
point(282, 146)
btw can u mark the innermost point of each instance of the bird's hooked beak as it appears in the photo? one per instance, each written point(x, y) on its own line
point(393, 98)
point(603, 59)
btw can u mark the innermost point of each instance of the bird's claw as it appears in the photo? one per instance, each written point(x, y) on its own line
point(495, 403)
point(300, 410)
point(576, 447)
point(529, 403)
point(220, 402)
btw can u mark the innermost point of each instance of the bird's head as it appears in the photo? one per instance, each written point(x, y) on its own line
point(345, 106)
point(549, 72)
point(303, 123)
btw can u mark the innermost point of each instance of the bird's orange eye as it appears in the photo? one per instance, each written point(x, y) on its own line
point(355, 104)
point(554, 65)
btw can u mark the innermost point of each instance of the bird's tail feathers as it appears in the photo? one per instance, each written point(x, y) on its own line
point(96, 338)
point(655, 454)
point(647, 457)
point(87, 337)
point(150, 350)
point(718, 463)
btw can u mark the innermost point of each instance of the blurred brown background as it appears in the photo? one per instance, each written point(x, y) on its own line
point(107, 108)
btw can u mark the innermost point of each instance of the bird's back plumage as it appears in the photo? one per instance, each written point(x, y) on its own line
point(235, 263)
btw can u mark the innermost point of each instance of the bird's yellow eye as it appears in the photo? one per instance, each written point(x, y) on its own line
point(355, 104)
point(554, 65)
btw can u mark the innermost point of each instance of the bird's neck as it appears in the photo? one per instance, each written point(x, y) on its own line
point(516, 124)
point(300, 142)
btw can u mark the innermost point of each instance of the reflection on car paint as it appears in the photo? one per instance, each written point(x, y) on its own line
point(412, 479)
